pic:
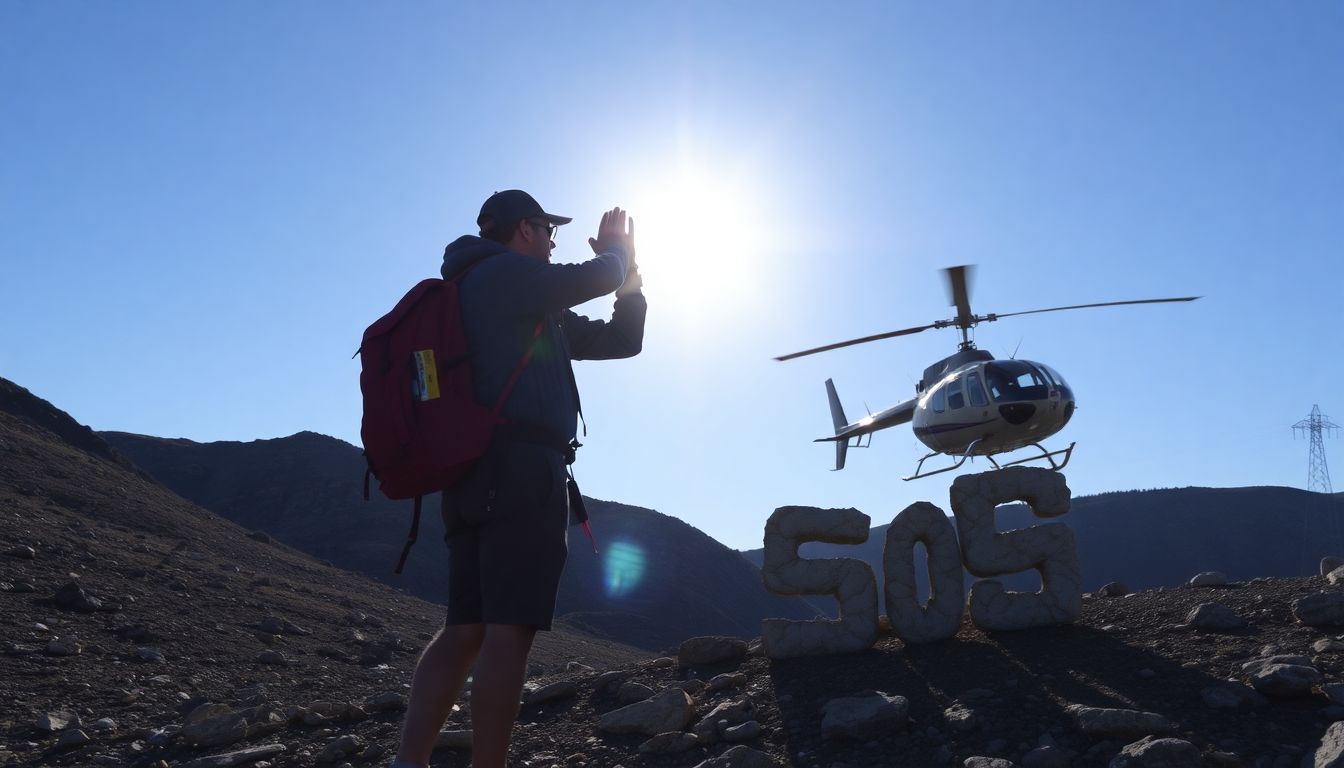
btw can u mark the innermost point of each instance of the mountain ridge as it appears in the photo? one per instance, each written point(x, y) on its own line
point(656, 581)
point(1160, 537)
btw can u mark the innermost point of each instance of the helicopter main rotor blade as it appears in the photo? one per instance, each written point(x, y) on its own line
point(959, 294)
point(1085, 306)
point(865, 339)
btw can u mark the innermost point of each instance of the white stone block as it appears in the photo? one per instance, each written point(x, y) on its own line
point(941, 617)
point(1049, 549)
point(848, 579)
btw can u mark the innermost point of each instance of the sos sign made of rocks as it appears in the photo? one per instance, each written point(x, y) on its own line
point(985, 552)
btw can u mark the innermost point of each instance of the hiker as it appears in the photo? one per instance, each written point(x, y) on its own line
point(507, 521)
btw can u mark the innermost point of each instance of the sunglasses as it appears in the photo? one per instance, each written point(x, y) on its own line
point(549, 227)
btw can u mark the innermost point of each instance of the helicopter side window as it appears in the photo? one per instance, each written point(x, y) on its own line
point(939, 400)
point(974, 392)
point(955, 399)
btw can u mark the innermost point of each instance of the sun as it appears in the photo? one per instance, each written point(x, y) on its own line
point(699, 238)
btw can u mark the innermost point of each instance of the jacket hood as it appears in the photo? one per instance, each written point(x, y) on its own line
point(465, 251)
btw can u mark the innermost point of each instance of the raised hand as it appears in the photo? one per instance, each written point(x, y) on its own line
point(616, 229)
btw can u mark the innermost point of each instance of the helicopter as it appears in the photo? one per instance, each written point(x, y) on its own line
point(969, 404)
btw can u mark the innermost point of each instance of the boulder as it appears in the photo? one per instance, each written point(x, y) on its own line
point(731, 713)
point(557, 690)
point(1230, 695)
point(1150, 752)
point(52, 722)
point(606, 681)
point(1320, 610)
point(668, 711)
point(63, 646)
point(744, 732)
point(72, 597)
point(23, 552)
point(864, 717)
point(669, 743)
point(740, 756)
point(1208, 579)
point(272, 656)
point(713, 649)
point(1100, 720)
point(727, 680)
point(961, 718)
point(340, 748)
point(214, 725)
point(1215, 617)
point(72, 738)
point(631, 692)
point(1283, 680)
point(240, 757)
point(1330, 754)
point(387, 701)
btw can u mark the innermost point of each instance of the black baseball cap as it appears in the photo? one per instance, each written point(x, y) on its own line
point(507, 208)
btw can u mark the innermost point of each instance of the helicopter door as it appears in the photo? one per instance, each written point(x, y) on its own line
point(955, 399)
point(974, 391)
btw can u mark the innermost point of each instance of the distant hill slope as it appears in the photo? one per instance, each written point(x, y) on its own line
point(1163, 537)
point(187, 582)
point(656, 582)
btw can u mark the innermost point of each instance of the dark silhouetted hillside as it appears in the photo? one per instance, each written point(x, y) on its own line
point(656, 582)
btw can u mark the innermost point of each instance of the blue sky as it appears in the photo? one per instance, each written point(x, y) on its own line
point(202, 205)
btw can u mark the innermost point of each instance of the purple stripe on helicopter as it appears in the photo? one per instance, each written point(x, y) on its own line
point(948, 427)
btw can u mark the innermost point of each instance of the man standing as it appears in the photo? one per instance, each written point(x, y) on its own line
point(505, 558)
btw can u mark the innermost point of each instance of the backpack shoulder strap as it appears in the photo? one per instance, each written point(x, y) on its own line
point(518, 370)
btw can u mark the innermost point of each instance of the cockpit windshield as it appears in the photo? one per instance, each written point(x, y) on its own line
point(1014, 380)
point(1053, 374)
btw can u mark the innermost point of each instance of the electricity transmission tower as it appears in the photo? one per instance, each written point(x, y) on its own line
point(1318, 474)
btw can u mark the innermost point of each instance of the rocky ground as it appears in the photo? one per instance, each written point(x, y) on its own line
point(136, 629)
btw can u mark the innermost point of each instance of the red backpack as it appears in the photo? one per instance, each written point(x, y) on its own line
point(423, 429)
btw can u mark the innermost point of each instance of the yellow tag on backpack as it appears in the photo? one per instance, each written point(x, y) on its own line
point(426, 381)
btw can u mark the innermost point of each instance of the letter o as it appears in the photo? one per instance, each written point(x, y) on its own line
point(941, 618)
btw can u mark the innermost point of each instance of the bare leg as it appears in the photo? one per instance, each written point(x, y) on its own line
point(438, 679)
point(496, 690)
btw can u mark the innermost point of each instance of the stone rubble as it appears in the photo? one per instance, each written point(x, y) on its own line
point(157, 686)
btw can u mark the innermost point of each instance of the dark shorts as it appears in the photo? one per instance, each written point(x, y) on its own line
point(504, 564)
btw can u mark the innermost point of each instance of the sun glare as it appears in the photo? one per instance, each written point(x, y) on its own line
point(700, 239)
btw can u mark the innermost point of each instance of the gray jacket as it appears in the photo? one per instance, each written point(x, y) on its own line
point(507, 293)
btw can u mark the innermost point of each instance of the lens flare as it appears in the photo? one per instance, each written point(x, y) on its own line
point(623, 568)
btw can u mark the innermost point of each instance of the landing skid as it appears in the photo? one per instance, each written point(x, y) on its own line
point(1049, 456)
